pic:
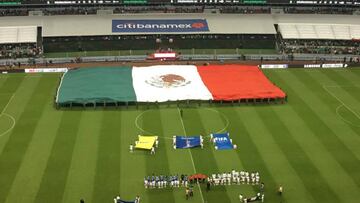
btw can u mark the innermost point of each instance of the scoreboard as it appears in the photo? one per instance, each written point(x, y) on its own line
point(125, 2)
point(321, 2)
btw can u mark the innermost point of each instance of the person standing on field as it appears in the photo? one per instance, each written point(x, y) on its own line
point(187, 191)
point(208, 186)
point(280, 190)
point(181, 113)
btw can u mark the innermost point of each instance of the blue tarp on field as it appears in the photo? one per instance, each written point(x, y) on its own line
point(183, 142)
point(222, 141)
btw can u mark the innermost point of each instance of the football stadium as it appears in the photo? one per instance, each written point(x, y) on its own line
point(174, 101)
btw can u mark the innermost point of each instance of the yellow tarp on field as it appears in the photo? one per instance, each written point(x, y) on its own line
point(145, 142)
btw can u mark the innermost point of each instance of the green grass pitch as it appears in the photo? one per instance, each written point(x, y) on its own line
point(309, 145)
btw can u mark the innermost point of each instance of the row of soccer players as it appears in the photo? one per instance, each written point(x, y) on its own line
point(258, 197)
point(164, 184)
point(164, 181)
point(242, 177)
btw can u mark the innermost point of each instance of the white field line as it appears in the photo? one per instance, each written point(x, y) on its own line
point(342, 118)
point(191, 156)
point(137, 125)
point(337, 98)
point(136, 122)
point(224, 116)
point(57, 92)
point(12, 126)
point(11, 117)
point(12, 96)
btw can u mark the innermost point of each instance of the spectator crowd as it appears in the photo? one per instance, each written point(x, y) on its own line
point(303, 46)
point(319, 10)
point(14, 51)
point(93, 10)
point(241, 9)
point(245, 10)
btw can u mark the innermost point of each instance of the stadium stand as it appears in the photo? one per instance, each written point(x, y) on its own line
point(319, 38)
point(19, 42)
point(319, 31)
point(93, 10)
point(188, 41)
point(22, 50)
point(318, 10)
point(245, 10)
point(320, 46)
point(65, 29)
point(22, 34)
point(166, 8)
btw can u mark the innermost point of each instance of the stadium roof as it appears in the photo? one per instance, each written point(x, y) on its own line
point(218, 23)
point(319, 31)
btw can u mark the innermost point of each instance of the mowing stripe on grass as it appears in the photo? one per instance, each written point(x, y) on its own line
point(316, 120)
point(10, 85)
point(180, 161)
point(16, 145)
point(274, 160)
point(157, 164)
point(326, 128)
point(81, 176)
point(248, 152)
point(352, 139)
point(7, 89)
point(107, 174)
point(189, 150)
point(17, 105)
point(350, 94)
point(2, 81)
point(347, 101)
point(341, 183)
point(132, 165)
point(347, 76)
point(298, 158)
point(214, 121)
point(54, 179)
point(208, 165)
point(30, 173)
point(6, 104)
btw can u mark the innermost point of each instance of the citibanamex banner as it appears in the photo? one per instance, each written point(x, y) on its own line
point(160, 25)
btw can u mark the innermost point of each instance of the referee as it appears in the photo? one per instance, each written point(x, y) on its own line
point(181, 113)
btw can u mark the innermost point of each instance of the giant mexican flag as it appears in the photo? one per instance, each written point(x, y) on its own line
point(166, 83)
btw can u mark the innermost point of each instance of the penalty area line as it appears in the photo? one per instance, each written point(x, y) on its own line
point(342, 118)
point(191, 156)
point(12, 96)
point(339, 100)
point(11, 117)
